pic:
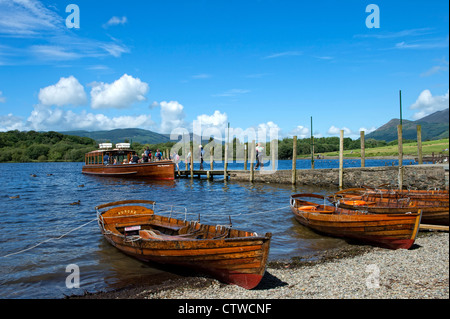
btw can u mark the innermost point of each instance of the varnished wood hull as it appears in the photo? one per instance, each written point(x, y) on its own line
point(238, 258)
point(391, 231)
point(396, 193)
point(434, 211)
point(163, 170)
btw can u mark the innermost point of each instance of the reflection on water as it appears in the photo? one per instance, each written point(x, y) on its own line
point(45, 209)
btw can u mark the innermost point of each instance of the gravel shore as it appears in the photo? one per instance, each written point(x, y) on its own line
point(354, 272)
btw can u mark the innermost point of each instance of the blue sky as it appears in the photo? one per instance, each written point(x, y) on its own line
point(160, 65)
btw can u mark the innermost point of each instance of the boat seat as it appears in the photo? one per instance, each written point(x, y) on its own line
point(155, 234)
point(166, 225)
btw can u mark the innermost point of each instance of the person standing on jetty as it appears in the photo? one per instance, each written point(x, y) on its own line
point(176, 159)
point(259, 156)
point(202, 152)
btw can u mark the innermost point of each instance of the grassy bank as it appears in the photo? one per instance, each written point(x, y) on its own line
point(409, 149)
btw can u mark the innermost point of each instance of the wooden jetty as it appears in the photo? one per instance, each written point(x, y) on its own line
point(199, 173)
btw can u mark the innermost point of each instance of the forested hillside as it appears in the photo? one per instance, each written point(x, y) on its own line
point(50, 146)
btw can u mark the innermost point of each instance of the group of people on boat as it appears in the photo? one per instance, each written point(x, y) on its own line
point(134, 158)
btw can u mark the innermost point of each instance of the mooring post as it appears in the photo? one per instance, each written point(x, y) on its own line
point(211, 157)
point(191, 159)
point(272, 152)
point(341, 159)
point(184, 153)
point(363, 149)
point(312, 145)
point(225, 166)
point(252, 161)
point(400, 157)
point(245, 155)
point(419, 144)
point(294, 160)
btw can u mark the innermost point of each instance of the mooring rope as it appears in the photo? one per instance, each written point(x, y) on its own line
point(50, 239)
point(93, 220)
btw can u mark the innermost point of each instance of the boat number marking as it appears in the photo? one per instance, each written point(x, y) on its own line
point(127, 212)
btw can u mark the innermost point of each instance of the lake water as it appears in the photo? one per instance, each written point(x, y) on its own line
point(44, 211)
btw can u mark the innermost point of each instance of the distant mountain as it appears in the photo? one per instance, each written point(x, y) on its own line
point(122, 135)
point(130, 135)
point(434, 126)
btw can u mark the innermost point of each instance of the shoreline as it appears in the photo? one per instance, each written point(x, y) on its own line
point(349, 272)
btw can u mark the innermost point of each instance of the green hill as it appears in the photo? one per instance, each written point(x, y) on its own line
point(122, 135)
point(434, 126)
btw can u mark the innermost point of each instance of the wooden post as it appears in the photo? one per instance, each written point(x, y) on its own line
point(312, 145)
point(191, 159)
point(245, 155)
point(400, 157)
point(419, 144)
point(185, 155)
point(363, 149)
point(272, 152)
point(225, 166)
point(341, 159)
point(211, 157)
point(294, 160)
point(252, 160)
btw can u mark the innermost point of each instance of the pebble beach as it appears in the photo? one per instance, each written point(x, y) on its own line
point(358, 272)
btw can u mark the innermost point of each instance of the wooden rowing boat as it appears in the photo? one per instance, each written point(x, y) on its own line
point(396, 193)
point(434, 211)
point(230, 255)
point(391, 231)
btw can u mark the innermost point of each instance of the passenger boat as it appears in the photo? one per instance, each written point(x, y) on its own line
point(120, 163)
point(434, 211)
point(230, 255)
point(391, 231)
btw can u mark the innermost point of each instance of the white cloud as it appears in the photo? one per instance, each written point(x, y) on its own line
point(68, 91)
point(114, 49)
point(427, 104)
point(10, 122)
point(367, 130)
point(201, 76)
point(119, 94)
point(115, 21)
point(268, 131)
point(300, 131)
point(2, 98)
point(172, 116)
point(233, 92)
point(283, 54)
point(27, 18)
point(217, 120)
point(44, 118)
point(30, 20)
point(333, 130)
point(433, 70)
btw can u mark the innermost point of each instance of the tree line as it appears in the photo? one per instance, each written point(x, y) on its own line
point(32, 146)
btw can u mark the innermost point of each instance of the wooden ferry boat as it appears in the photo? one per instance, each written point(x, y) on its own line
point(118, 162)
point(230, 255)
point(434, 211)
point(391, 231)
